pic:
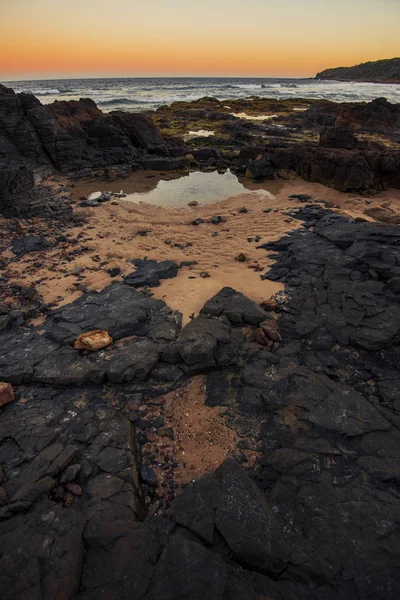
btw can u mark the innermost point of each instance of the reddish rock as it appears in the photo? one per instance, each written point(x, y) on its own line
point(6, 393)
point(259, 337)
point(74, 488)
point(93, 340)
point(271, 330)
point(270, 305)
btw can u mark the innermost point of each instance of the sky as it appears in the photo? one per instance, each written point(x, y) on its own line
point(48, 39)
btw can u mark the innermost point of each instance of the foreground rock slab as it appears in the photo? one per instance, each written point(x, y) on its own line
point(315, 514)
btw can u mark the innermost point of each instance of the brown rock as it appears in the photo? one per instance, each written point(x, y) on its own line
point(93, 340)
point(6, 393)
point(270, 305)
point(241, 258)
point(193, 203)
point(385, 215)
point(69, 499)
point(74, 488)
point(259, 337)
point(271, 330)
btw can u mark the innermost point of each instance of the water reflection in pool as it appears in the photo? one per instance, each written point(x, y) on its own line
point(205, 188)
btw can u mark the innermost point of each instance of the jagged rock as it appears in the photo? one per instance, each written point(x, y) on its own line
point(30, 243)
point(93, 340)
point(149, 272)
point(337, 137)
point(247, 522)
point(236, 307)
point(260, 169)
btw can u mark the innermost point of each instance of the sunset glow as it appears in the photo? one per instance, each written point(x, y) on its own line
point(92, 38)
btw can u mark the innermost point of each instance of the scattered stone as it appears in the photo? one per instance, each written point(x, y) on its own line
point(198, 221)
point(70, 474)
point(271, 329)
point(74, 488)
point(216, 220)
point(29, 243)
point(204, 274)
point(193, 203)
point(259, 337)
point(114, 272)
point(241, 258)
point(148, 476)
point(93, 340)
point(188, 263)
point(149, 272)
point(166, 432)
point(301, 197)
point(270, 305)
point(6, 393)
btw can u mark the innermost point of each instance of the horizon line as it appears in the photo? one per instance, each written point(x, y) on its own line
point(154, 77)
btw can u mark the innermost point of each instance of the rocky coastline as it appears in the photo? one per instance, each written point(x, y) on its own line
point(249, 453)
point(380, 71)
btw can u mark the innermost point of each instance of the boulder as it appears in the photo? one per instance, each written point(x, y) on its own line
point(260, 169)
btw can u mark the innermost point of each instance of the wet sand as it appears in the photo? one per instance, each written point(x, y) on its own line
point(115, 234)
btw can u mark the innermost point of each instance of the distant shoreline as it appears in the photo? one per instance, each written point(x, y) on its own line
point(385, 71)
point(376, 81)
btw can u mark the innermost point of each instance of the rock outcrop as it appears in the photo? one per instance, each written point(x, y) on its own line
point(69, 136)
point(379, 71)
point(315, 515)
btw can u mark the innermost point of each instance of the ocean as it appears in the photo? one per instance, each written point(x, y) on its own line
point(141, 94)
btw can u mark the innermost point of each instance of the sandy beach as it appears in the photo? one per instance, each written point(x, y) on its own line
point(113, 235)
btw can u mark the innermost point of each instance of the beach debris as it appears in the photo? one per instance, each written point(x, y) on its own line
point(93, 340)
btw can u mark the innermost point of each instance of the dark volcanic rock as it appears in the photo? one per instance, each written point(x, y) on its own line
point(260, 169)
point(313, 515)
point(29, 243)
point(237, 307)
point(163, 163)
point(247, 522)
point(149, 272)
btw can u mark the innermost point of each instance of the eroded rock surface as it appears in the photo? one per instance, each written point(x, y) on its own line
point(316, 516)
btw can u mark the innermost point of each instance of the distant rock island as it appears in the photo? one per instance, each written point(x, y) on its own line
point(380, 71)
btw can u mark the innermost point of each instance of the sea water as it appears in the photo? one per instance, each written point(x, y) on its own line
point(140, 94)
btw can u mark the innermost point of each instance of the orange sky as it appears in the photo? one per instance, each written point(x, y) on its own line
point(84, 38)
